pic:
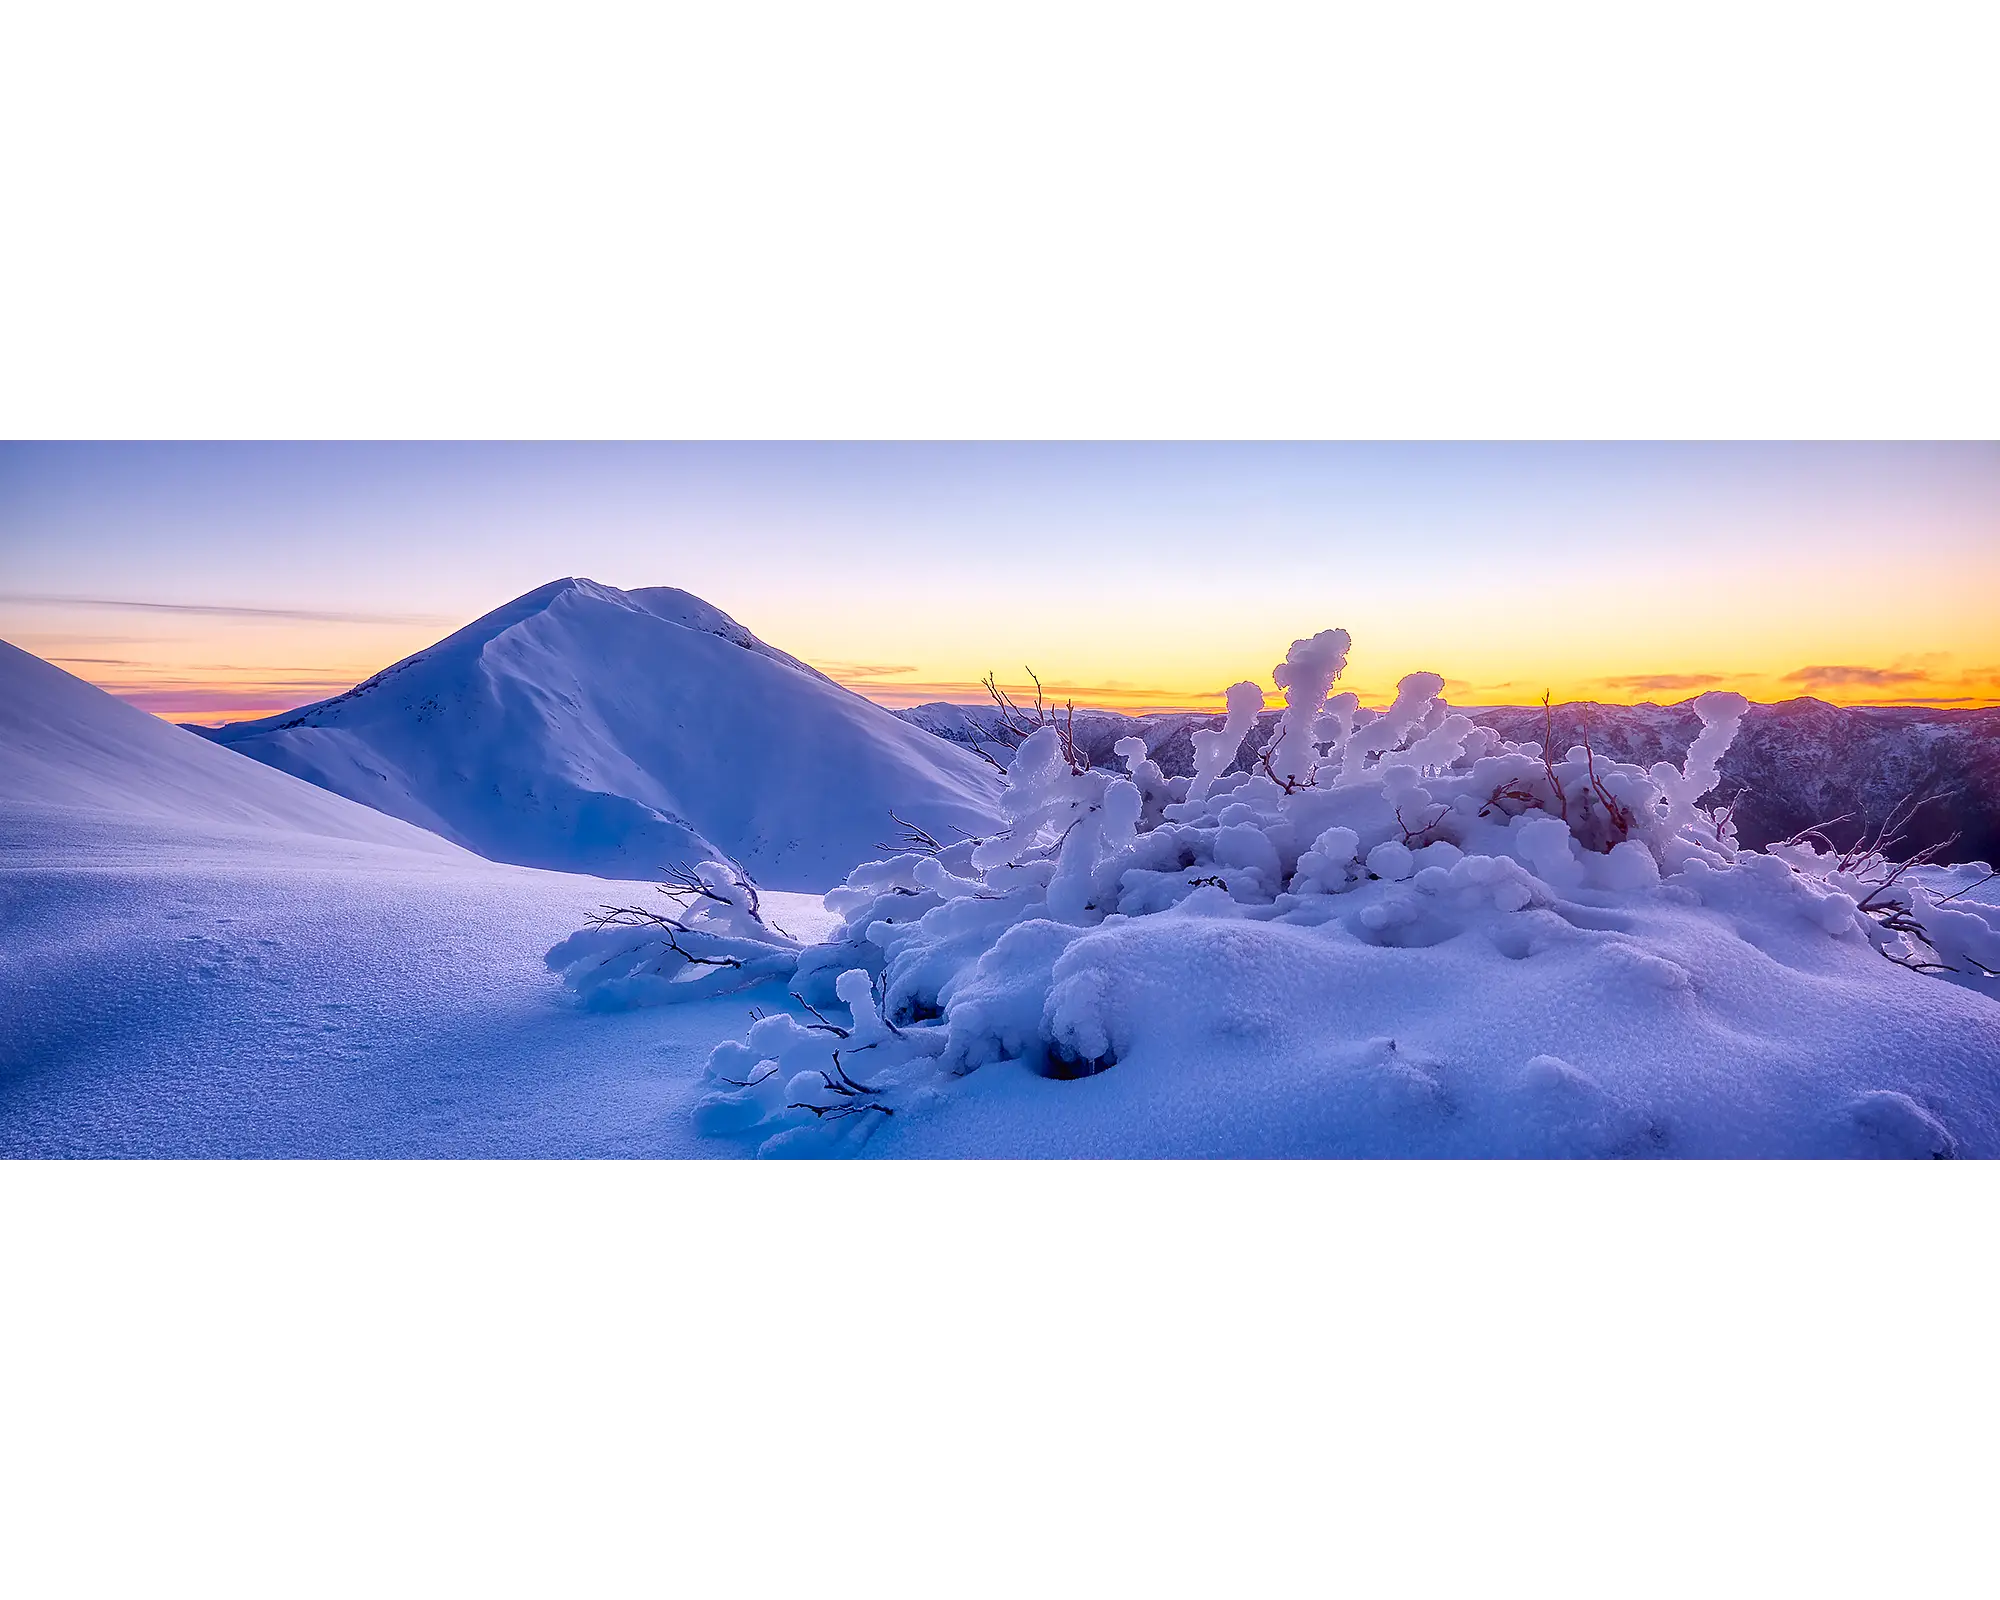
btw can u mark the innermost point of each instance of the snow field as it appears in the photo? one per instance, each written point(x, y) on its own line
point(201, 956)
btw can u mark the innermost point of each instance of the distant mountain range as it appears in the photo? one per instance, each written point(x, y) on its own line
point(1794, 764)
point(588, 729)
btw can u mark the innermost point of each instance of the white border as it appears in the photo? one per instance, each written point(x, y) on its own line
point(992, 1379)
point(1052, 220)
point(1047, 221)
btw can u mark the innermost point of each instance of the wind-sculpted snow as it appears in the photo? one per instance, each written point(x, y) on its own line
point(587, 729)
point(1396, 933)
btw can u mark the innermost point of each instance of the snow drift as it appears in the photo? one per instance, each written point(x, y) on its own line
point(1400, 933)
point(587, 729)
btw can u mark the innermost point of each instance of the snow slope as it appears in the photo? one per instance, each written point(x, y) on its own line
point(70, 750)
point(200, 956)
point(588, 729)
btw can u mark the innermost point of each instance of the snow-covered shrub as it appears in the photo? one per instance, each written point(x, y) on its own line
point(1905, 907)
point(714, 940)
point(1099, 918)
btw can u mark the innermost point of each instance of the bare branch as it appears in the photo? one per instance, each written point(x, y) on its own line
point(853, 1086)
point(684, 885)
point(1945, 899)
point(1621, 819)
point(822, 1024)
point(667, 929)
point(1014, 722)
point(1289, 785)
point(1721, 818)
point(1511, 791)
point(915, 839)
point(1417, 838)
point(835, 1113)
point(751, 1083)
point(1019, 724)
point(1549, 755)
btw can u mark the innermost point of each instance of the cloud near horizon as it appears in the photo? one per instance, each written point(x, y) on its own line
point(860, 672)
point(1869, 677)
point(212, 705)
point(1657, 682)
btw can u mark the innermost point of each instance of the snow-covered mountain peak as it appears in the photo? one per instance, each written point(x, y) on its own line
point(588, 728)
point(577, 596)
point(531, 624)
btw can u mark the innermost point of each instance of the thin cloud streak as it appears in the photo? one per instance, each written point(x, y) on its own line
point(859, 672)
point(178, 703)
point(314, 671)
point(254, 686)
point(273, 613)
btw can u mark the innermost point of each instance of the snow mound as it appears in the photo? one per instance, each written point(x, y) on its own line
point(1398, 934)
point(587, 729)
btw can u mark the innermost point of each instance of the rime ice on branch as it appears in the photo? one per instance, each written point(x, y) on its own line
point(1215, 749)
point(1307, 676)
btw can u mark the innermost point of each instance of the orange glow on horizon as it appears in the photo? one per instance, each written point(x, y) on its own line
point(1520, 693)
point(1828, 642)
point(247, 693)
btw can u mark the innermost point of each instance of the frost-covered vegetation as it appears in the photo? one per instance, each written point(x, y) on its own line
point(1396, 932)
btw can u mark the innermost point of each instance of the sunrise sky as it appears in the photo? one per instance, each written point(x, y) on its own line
point(206, 582)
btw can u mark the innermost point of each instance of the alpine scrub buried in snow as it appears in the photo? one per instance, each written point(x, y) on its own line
point(1398, 933)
